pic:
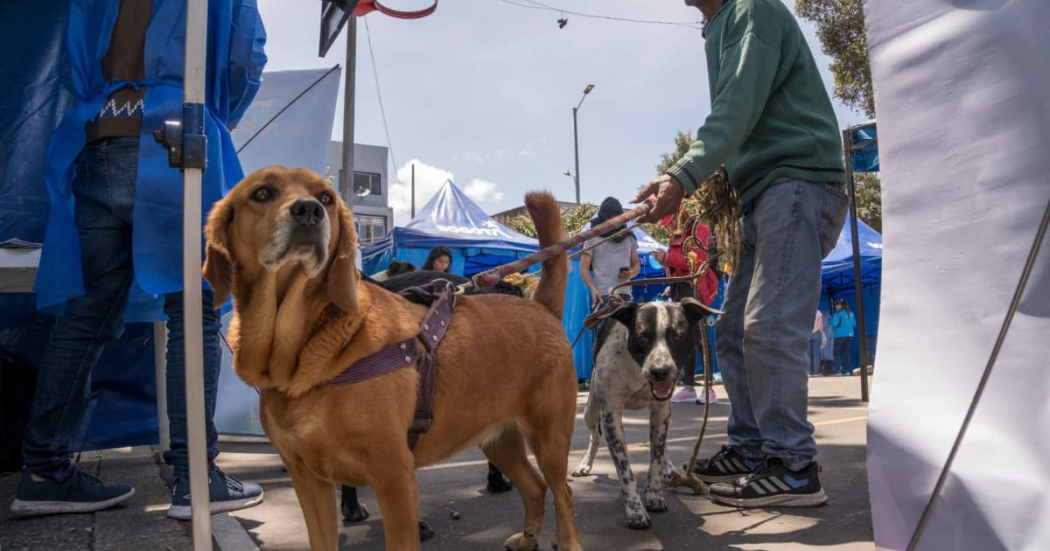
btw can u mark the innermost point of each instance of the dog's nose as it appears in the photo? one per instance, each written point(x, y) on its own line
point(660, 375)
point(307, 211)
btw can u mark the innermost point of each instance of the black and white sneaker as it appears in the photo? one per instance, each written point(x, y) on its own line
point(725, 466)
point(225, 493)
point(773, 485)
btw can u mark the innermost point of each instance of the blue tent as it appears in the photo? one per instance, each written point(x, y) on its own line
point(450, 218)
point(837, 268)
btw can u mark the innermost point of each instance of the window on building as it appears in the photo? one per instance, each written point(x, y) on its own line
point(367, 183)
point(370, 228)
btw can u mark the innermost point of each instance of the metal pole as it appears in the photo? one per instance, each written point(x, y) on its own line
point(160, 369)
point(413, 190)
point(858, 284)
point(349, 87)
point(1015, 302)
point(576, 142)
point(193, 130)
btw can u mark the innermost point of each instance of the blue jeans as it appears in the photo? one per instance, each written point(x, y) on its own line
point(814, 353)
point(763, 336)
point(104, 188)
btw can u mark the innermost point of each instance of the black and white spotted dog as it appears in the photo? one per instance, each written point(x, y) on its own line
point(637, 361)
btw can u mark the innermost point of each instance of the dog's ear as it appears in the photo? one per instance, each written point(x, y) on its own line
point(342, 273)
point(695, 311)
point(218, 262)
point(625, 313)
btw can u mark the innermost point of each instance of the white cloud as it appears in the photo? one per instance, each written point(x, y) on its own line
point(482, 191)
point(429, 180)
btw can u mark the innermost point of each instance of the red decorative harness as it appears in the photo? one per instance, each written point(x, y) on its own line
point(396, 356)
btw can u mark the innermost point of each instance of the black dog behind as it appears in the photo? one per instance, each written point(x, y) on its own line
point(354, 511)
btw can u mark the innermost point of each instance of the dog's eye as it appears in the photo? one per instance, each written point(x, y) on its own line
point(677, 336)
point(262, 194)
point(643, 338)
point(326, 198)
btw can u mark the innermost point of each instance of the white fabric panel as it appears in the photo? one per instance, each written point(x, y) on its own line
point(962, 90)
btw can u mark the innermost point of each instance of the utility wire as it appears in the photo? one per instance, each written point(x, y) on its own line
point(534, 5)
point(382, 110)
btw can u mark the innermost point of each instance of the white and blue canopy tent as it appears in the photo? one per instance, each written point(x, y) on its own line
point(450, 219)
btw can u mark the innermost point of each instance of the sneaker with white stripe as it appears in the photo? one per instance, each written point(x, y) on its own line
point(773, 485)
point(725, 466)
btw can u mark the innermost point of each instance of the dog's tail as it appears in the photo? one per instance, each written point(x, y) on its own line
point(546, 216)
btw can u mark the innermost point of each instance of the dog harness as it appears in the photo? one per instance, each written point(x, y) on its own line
point(395, 356)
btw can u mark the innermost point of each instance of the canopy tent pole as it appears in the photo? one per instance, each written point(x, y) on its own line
point(858, 287)
point(160, 369)
point(194, 158)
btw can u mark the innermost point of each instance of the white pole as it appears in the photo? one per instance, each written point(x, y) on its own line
point(160, 371)
point(193, 93)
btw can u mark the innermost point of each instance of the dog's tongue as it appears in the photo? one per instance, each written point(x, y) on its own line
point(663, 389)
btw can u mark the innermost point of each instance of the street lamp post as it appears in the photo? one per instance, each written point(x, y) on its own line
point(576, 139)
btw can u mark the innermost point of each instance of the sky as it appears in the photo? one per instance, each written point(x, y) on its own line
point(481, 92)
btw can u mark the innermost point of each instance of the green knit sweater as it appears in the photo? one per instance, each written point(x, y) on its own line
point(771, 117)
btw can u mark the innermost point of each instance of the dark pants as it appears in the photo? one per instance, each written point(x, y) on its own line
point(680, 290)
point(104, 188)
point(842, 350)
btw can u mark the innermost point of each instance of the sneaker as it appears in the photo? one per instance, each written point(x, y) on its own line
point(712, 397)
point(773, 485)
point(724, 466)
point(225, 493)
point(80, 493)
point(686, 395)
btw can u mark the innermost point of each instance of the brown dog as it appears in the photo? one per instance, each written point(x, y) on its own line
point(284, 244)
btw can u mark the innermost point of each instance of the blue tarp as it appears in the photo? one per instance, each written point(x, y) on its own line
point(866, 147)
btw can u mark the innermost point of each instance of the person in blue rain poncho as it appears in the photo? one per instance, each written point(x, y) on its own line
point(114, 229)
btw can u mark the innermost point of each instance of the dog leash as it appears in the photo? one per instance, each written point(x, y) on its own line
point(495, 275)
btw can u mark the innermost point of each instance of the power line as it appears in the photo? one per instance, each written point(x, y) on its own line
point(534, 5)
point(382, 110)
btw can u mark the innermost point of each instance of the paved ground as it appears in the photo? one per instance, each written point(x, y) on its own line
point(693, 522)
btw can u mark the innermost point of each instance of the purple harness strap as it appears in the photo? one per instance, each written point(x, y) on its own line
point(398, 355)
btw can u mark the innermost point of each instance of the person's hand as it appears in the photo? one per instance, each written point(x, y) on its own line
point(595, 298)
point(669, 194)
point(624, 275)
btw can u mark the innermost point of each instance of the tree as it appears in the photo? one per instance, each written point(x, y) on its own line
point(573, 220)
point(682, 142)
point(869, 199)
point(840, 28)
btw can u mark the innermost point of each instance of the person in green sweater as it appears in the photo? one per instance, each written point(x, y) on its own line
point(773, 128)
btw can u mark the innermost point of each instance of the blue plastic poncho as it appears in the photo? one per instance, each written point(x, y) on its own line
point(234, 68)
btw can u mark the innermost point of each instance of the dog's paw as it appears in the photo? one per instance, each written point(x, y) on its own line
point(582, 469)
point(425, 531)
point(639, 521)
point(654, 501)
point(637, 518)
point(521, 542)
point(354, 514)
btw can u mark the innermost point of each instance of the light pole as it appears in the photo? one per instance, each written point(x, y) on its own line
point(575, 182)
point(576, 139)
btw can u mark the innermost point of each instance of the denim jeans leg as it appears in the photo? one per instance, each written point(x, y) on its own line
point(178, 455)
point(744, 434)
point(796, 224)
point(104, 190)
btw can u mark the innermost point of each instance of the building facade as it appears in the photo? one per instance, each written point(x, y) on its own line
point(371, 188)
